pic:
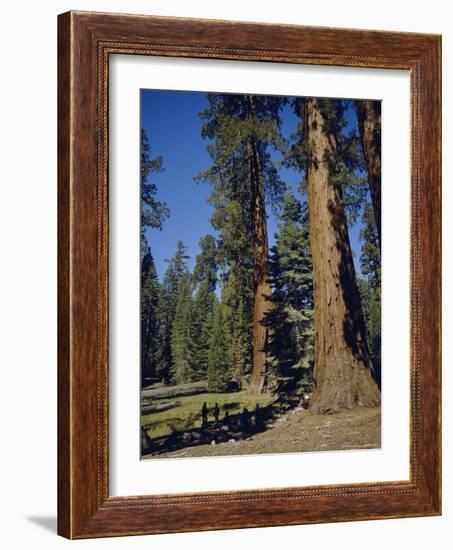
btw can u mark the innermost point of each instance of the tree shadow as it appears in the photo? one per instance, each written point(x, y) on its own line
point(239, 426)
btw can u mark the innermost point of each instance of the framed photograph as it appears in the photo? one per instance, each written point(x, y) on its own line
point(249, 275)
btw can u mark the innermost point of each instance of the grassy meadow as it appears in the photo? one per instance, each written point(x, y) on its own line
point(186, 414)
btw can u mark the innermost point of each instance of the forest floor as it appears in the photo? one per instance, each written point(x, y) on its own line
point(300, 431)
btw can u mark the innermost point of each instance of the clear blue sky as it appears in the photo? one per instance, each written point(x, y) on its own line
point(171, 120)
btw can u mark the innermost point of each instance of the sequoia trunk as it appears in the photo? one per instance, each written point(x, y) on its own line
point(369, 121)
point(261, 285)
point(343, 370)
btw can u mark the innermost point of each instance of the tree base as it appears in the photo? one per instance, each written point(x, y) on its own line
point(332, 398)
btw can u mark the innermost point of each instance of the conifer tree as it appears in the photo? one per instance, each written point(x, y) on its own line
point(150, 294)
point(343, 371)
point(205, 279)
point(243, 129)
point(237, 311)
point(201, 322)
point(369, 122)
point(176, 270)
point(180, 336)
point(219, 360)
point(291, 317)
point(206, 262)
point(370, 261)
point(153, 211)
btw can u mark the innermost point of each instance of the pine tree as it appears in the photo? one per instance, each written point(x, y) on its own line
point(153, 211)
point(242, 130)
point(218, 359)
point(180, 336)
point(176, 271)
point(150, 294)
point(291, 351)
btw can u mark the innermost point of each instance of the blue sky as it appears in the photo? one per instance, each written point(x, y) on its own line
point(171, 120)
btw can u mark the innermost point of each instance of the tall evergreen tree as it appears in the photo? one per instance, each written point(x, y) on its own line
point(243, 129)
point(201, 322)
point(291, 317)
point(205, 278)
point(150, 294)
point(181, 343)
point(370, 258)
point(235, 261)
point(237, 313)
point(370, 261)
point(218, 360)
point(176, 271)
point(206, 262)
point(153, 211)
point(343, 369)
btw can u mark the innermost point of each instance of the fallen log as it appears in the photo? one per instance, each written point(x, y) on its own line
point(159, 407)
point(181, 390)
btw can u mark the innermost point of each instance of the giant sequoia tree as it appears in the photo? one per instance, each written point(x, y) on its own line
point(243, 129)
point(343, 369)
point(369, 122)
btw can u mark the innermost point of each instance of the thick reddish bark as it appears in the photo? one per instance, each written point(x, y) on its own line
point(262, 288)
point(262, 292)
point(369, 120)
point(343, 370)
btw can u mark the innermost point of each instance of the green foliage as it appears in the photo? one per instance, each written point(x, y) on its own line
point(206, 262)
point(176, 271)
point(181, 341)
point(150, 297)
point(291, 318)
point(347, 165)
point(370, 289)
point(370, 259)
point(231, 122)
point(238, 306)
point(235, 124)
point(202, 319)
point(371, 305)
point(153, 211)
point(219, 372)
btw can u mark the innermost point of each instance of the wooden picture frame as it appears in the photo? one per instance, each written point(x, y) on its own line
point(85, 42)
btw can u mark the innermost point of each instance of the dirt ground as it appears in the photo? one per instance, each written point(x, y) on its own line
point(301, 431)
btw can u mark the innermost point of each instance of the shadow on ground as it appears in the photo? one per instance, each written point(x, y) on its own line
point(49, 523)
point(233, 427)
